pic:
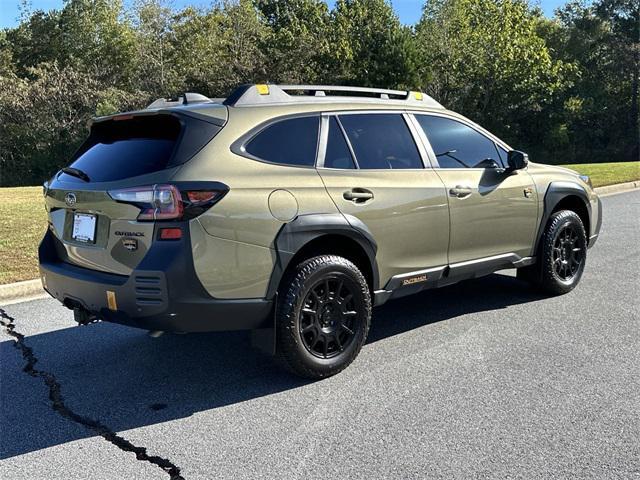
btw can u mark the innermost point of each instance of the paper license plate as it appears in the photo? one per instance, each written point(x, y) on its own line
point(84, 227)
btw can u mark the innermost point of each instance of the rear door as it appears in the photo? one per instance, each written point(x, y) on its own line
point(374, 170)
point(492, 212)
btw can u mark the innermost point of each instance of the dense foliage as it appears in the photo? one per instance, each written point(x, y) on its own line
point(564, 89)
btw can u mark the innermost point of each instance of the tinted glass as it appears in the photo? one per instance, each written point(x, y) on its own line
point(381, 141)
point(338, 154)
point(291, 142)
point(127, 148)
point(455, 144)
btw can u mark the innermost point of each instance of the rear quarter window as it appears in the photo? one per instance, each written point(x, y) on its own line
point(292, 141)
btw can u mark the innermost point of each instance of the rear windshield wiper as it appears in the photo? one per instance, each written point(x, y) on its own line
point(76, 172)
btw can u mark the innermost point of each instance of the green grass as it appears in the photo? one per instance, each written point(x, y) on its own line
point(23, 219)
point(608, 173)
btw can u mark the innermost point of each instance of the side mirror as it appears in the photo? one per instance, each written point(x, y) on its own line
point(517, 160)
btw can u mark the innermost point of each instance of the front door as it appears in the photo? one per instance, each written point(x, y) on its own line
point(374, 171)
point(492, 212)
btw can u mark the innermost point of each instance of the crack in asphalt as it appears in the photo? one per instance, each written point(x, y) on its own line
point(57, 403)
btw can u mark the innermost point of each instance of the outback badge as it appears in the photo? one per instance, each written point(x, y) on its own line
point(130, 244)
point(412, 280)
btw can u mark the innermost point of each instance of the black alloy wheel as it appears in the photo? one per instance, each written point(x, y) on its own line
point(323, 316)
point(561, 256)
point(329, 317)
point(568, 252)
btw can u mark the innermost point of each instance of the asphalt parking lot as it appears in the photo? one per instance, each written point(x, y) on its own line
point(486, 379)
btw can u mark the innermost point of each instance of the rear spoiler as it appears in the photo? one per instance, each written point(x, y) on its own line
point(212, 112)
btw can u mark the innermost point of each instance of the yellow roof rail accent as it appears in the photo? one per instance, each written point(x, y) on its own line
point(418, 95)
point(262, 89)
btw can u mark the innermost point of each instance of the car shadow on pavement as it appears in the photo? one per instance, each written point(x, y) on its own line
point(127, 380)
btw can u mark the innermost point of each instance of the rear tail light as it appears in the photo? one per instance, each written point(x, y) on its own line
point(168, 202)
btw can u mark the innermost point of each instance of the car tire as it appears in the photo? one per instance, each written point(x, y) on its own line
point(323, 316)
point(562, 255)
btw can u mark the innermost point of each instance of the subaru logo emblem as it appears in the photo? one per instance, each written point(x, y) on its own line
point(70, 199)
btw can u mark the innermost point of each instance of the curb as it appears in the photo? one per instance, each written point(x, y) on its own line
point(617, 188)
point(12, 292)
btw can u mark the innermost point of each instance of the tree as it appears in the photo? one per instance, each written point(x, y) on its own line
point(603, 40)
point(297, 44)
point(218, 49)
point(94, 37)
point(485, 59)
point(42, 120)
point(369, 45)
point(155, 48)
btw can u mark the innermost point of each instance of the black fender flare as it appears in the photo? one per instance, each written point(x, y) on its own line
point(556, 191)
point(305, 228)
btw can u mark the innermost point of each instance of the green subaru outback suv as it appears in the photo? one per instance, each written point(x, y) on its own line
point(292, 210)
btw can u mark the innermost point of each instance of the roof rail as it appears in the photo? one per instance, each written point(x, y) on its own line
point(187, 98)
point(267, 94)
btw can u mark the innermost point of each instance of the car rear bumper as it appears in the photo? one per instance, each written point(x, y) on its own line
point(163, 293)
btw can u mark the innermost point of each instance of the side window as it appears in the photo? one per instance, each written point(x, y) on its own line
point(338, 154)
point(291, 142)
point(381, 140)
point(455, 144)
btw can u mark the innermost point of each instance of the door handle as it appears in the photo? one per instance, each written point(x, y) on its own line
point(358, 195)
point(460, 192)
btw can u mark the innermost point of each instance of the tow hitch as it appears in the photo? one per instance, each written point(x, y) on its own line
point(83, 317)
point(80, 314)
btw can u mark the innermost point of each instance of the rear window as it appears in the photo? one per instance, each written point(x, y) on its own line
point(127, 148)
point(290, 142)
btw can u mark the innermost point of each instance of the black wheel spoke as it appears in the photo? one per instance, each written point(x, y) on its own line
point(347, 299)
point(347, 329)
point(566, 253)
point(315, 296)
point(329, 317)
point(336, 337)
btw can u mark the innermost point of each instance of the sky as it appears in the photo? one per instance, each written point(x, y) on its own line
point(408, 10)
